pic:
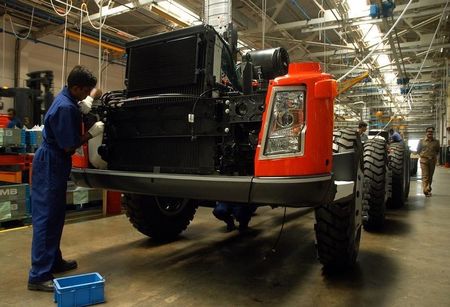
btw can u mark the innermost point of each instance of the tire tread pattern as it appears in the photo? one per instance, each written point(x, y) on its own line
point(146, 216)
point(375, 169)
point(336, 234)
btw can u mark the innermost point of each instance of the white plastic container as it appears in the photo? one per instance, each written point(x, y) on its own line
point(94, 157)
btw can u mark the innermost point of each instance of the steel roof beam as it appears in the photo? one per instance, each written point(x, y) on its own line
point(118, 10)
point(328, 21)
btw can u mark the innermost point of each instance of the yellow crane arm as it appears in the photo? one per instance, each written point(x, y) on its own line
point(345, 85)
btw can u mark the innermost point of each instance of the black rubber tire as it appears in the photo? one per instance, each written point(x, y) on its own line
point(345, 140)
point(399, 164)
point(161, 218)
point(413, 167)
point(338, 225)
point(375, 170)
point(407, 173)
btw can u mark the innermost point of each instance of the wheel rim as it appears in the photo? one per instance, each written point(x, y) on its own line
point(171, 205)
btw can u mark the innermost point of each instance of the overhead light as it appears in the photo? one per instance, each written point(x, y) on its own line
point(358, 102)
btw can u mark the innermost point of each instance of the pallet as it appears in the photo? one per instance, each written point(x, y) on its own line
point(14, 223)
point(13, 150)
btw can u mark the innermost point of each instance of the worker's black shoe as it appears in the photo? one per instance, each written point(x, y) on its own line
point(64, 266)
point(46, 286)
point(243, 227)
point(230, 224)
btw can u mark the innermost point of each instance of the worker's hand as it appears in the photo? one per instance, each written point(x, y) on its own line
point(86, 105)
point(97, 129)
point(96, 93)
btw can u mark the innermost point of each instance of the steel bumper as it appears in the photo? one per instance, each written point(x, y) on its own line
point(284, 191)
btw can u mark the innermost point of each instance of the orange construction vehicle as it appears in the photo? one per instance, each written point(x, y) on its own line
point(178, 137)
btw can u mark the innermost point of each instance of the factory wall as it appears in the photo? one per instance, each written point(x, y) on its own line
point(36, 56)
point(7, 75)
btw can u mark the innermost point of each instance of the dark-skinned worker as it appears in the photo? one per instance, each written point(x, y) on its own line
point(394, 136)
point(51, 169)
point(428, 149)
point(228, 212)
point(362, 128)
point(14, 121)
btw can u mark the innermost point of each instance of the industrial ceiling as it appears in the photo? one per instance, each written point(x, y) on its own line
point(404, 89)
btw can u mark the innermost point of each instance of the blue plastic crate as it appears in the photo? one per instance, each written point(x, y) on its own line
point(79, 290)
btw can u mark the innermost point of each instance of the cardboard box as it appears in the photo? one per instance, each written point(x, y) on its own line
point(14, 210)
point(80, 195)
point(10, 137)
point(14, 201)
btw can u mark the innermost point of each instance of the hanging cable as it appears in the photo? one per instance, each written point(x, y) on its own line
point(100, 7)
point(79, 42)
point(68, 8)
point(105, 69)
point(322, 13)
point(429, 47)
point(4, 48)
point(99, 28)
point(14, 31)
point(273, 249)
point(376, 47)
point(263, 15)
point(63, 69)
point(421, 66)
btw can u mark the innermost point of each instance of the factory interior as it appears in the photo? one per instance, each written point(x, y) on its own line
point(225, 153)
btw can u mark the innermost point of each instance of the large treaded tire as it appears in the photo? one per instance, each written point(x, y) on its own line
point(161, 218)
point(375, 172)
point(338, 225)
point(399, 165)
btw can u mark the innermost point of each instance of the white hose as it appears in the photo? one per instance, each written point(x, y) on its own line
point(63, 69)
point(4, 48)
point(102, 23)
point(29, 29)
point(263, 15)
point(81, 31)
point(68, 8)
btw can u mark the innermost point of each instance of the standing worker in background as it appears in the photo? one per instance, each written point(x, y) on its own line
point(14, 121)
point(362, 128)
point(51, 169)
point(428, 149)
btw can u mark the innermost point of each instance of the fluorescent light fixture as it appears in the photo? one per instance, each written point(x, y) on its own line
point(356, 6)
point(179, 11)
point(372, 36)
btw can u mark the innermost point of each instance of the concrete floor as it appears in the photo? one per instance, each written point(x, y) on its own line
point(405, 265)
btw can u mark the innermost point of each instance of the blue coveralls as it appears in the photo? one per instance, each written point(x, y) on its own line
point(51, 170)
point(15, 122)
point(241, 212)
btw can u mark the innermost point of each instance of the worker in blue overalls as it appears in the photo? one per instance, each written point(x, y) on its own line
point(229, 211)
point(51, 169)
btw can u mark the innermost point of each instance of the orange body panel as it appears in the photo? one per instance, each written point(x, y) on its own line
point(81, 160)
point(4, 120)
point(317, 153)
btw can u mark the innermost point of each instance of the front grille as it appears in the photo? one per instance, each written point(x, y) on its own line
point(176, 62)
point(153, 134)
point(165, 155)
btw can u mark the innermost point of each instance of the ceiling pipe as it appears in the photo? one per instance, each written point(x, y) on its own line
point(24, 8)
point(91, 41)
point(37, 41)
